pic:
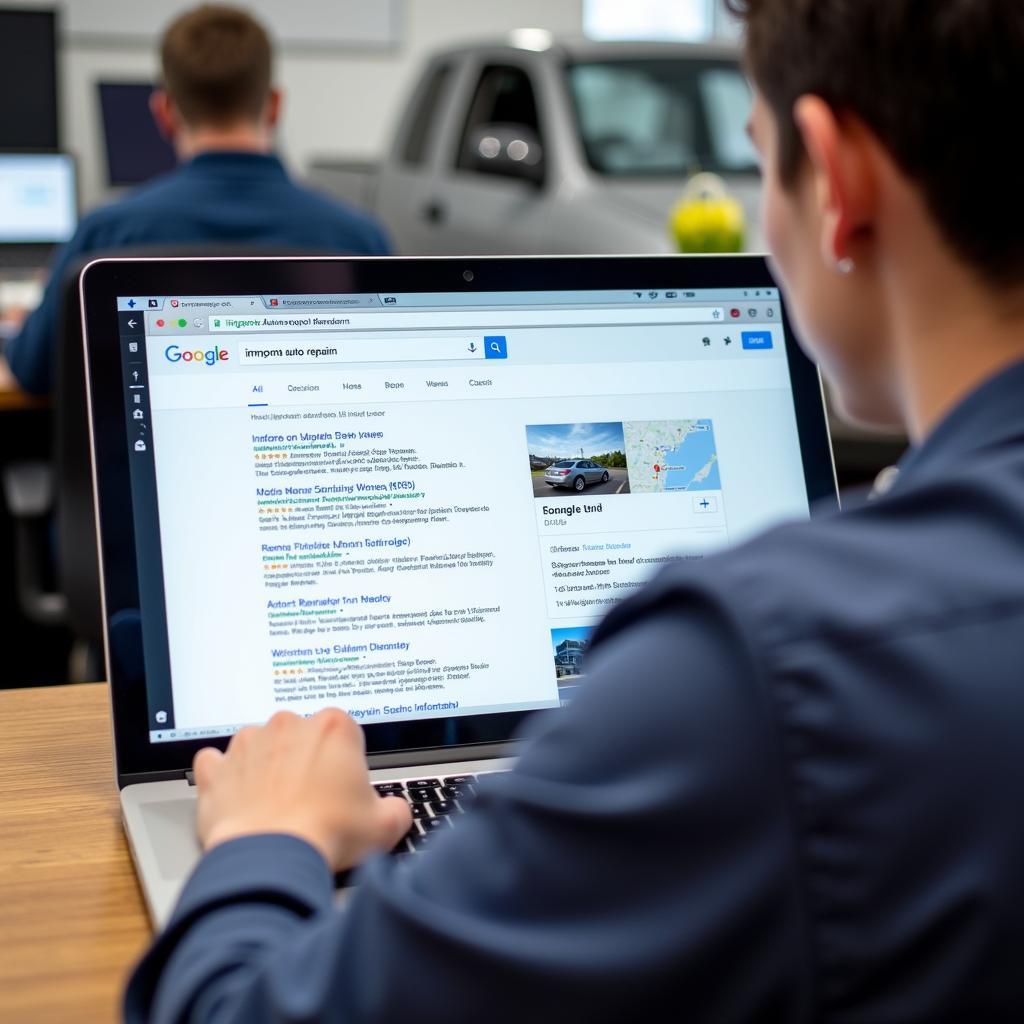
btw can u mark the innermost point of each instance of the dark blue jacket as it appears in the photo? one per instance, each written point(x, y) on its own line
point(244, 199)
point(792, 789)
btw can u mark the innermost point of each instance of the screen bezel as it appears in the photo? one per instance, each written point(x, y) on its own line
point(106, 279)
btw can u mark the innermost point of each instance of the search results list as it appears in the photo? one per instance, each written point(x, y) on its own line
point(428, 542)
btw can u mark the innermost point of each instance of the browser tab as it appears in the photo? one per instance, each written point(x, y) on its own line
point(339, 300)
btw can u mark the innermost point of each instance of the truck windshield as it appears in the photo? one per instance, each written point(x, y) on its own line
point(657, 117)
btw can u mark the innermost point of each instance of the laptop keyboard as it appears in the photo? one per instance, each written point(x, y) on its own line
point(436, 803)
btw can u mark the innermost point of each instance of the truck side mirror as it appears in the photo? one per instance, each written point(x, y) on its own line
point(508, 150)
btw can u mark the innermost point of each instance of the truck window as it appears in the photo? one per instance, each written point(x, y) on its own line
point(425, 119)
point(503, 95)
point(726, 97)
point(662, 117)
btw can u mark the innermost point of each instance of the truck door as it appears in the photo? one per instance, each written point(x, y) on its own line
point(406, 184)
point(494, 195)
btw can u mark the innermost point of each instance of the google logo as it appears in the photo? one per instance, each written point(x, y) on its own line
point(174, 354)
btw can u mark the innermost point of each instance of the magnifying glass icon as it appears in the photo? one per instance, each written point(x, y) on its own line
point(495, 347)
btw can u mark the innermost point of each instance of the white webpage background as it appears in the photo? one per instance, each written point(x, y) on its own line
point(211, 543)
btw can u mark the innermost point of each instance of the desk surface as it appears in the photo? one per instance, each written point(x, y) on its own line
point(72, 919)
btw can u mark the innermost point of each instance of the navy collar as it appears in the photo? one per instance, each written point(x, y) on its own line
point(991, 416)
point(236, 163)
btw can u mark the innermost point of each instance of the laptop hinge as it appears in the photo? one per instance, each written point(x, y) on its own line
point(469, 752)
point(442, 755)
point(137, 778)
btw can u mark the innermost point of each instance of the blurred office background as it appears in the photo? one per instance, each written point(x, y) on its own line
point(75, 78)
point(346, 66)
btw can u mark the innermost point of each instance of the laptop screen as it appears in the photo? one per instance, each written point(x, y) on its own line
point(419, 505)
point(38, 201)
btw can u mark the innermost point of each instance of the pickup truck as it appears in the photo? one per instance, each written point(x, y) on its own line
point(537, 145)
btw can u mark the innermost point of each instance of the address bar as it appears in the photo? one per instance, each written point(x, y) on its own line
point(484, 319)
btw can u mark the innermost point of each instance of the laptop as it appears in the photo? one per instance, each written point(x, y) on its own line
point(410, 488)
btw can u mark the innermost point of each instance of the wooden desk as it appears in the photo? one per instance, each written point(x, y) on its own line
point(72, 921)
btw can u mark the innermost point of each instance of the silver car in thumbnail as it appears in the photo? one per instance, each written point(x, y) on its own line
point(575, 473)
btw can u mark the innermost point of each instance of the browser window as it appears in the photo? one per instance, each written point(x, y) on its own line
point(411, 506)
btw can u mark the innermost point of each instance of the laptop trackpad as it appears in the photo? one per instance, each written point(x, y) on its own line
point(170, 826)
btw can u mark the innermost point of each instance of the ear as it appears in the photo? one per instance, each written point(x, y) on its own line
point(273, 108)
point(165, 114)
point(839, 152)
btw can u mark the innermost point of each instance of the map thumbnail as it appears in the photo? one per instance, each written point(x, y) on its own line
point(671, 455)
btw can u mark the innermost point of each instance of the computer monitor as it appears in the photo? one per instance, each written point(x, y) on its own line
point(38, 198)
point(28, 71)
point(135, 149)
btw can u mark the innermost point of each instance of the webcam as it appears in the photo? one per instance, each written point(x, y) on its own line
point(468, 275)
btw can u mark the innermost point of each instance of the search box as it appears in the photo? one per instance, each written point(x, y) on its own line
point(298, 348)
point(483, 319)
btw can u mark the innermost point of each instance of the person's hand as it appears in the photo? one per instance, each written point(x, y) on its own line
point(12, 317)
point(303, 776)
point(8, 382)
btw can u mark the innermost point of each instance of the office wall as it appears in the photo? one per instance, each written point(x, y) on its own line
point(336, 102)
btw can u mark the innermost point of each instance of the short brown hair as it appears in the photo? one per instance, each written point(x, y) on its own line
point(939, 82)
point(216, 65)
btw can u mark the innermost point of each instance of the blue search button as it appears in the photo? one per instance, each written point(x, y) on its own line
point(495, 347)
point(757, 339)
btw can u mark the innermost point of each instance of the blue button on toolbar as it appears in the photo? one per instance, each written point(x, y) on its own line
point(757, 339)
point(495, 347)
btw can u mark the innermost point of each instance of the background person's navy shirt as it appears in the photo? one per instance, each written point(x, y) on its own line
point(791, 789)
point(223, 197)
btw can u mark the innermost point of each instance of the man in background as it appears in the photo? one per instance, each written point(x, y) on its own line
point(219, 109)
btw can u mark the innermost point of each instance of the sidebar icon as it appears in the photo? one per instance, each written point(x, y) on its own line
point(133, 348)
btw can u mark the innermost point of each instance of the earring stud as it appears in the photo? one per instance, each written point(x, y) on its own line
point(846, 265)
